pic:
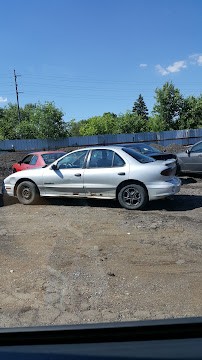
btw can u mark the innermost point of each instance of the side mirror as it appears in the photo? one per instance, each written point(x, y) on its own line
point(54, 167)
point(20, 162)
point(188, 151)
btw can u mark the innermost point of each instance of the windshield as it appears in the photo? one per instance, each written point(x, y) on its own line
point(138, 156)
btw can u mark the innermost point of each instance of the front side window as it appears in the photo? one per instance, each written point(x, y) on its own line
point(27, 159)
point(74, 160)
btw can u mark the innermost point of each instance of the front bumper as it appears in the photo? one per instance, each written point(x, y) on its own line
point(8, 189)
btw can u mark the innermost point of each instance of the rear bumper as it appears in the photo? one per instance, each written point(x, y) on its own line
point(164, 189)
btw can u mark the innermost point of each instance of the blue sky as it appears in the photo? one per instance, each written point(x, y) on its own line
point(96, 56)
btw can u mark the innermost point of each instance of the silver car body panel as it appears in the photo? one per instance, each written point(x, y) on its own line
point(190, 160)
point(98, 182)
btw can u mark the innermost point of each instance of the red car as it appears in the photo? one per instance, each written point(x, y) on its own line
point(37, 159)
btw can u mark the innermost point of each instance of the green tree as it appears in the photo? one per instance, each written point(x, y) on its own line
point(191, 116)
point(1, 122)
point(8, 122)
point(37, 121)
point(26, 130)
point(140, 108)
point(48, 121)
point(130, 123)
point(99, 125)
point(169, 105)
point(73, 127)
point(156, 124)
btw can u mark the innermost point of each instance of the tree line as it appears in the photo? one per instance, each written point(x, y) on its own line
point(171, 111)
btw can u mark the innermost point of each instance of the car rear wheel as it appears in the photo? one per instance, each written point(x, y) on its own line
point(27, 193)
point(133, 197)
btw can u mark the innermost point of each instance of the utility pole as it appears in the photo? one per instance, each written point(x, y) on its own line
point(16, 89)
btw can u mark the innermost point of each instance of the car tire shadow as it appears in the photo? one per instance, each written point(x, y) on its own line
point(187, 181)
point(176, 203)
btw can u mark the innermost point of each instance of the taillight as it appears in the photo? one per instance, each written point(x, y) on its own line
point(168, 172)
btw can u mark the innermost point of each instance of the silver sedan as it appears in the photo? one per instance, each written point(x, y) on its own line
point(106, 172)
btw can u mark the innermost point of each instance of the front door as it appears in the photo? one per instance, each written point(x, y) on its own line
point(193, 161)
point(66, 179)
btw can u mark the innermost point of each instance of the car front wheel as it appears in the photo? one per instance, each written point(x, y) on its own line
point(27, 193)
point(133, 197)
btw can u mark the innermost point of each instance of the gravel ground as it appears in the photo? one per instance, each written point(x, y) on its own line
point(77, 261)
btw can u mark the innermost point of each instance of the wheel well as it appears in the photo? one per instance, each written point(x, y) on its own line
point(20, 181)
point(128, 182)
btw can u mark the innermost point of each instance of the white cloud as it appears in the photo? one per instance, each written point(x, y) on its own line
point(143, 65)
point(2, 99)
point(199, 60)
point(175, 67)
point(196, 59)
point(161, 70)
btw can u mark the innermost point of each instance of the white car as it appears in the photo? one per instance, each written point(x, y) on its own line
point(106, 172)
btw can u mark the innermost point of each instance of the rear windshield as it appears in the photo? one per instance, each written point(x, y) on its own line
point(144, 149)
point(138, 156)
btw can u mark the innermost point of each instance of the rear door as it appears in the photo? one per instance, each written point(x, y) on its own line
point(104, 172)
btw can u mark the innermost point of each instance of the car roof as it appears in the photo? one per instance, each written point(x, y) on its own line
point(46, 152)
point(97, 147)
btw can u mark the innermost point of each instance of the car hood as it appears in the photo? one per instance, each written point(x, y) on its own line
point(30, 173)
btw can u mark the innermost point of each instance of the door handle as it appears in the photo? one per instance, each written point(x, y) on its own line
point(121, 173)
point(78, 174)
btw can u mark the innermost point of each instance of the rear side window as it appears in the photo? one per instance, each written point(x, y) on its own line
point(102, 158)
point(51, 157)
point(143, 159)
point(118, 161)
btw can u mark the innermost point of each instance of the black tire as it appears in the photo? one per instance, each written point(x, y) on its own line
point(133, 197)
point(178, 169)
point(27, 193)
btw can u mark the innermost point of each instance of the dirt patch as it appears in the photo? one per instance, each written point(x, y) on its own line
point(70, 261)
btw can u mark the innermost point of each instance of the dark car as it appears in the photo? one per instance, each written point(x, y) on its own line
point(190, 160)
point(148, 150)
